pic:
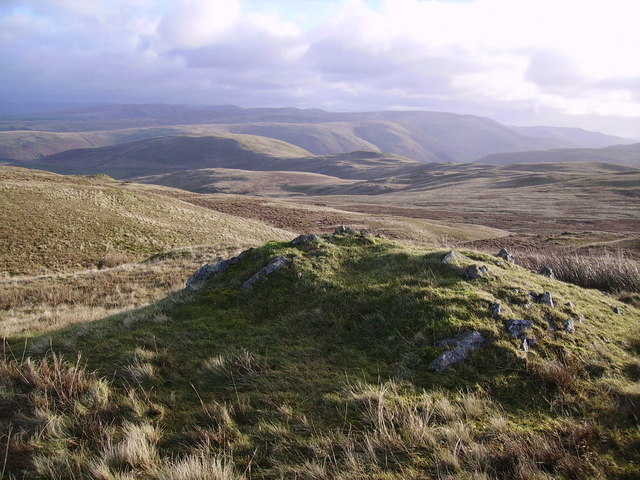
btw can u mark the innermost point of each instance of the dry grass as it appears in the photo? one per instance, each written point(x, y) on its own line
point(37, 304)
point(609, 271)
point(237, 365)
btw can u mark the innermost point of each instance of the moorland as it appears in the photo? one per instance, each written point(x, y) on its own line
point(323, 369)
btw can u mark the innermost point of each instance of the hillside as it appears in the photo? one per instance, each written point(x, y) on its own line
point(329, 365)
point(248, 152)
point(621, 154)
point(423, 136)
point(65, 223)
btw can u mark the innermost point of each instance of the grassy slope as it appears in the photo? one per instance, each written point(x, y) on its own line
point(325, 336)
point(53, 222)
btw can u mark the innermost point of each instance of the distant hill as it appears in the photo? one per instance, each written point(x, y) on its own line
point(423, 136)
point(622, 154)
point(579, 137)
point(171, 154)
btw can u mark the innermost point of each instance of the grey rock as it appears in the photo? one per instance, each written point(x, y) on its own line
point(209, 271)
point(498, 263)
point(464, 340)
point(546, 298)
point(527, 305)
point(474, 272)
point(528, 342)
point(342, 230)
point(581, 318)
point(304, 239)
point(505, 255)
point(463, 343)
point(495, 308)
point(453, 257)
point(615, 309)
point(569, 326)
point(275, 264)
point(518, 327)
point(547, 272)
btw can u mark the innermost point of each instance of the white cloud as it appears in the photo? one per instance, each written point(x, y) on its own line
point(567, 58)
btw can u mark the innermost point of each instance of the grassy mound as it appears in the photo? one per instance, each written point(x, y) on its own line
point(320, 371)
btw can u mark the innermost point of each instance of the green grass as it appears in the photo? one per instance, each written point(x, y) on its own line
point(319, 371)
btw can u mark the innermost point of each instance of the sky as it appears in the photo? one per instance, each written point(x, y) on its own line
point(520, 62)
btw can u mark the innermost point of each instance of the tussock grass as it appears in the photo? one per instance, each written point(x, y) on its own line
point(611, 272)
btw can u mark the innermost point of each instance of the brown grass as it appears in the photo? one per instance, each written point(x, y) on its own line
point(610, 271)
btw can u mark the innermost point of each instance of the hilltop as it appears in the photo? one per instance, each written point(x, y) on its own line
point(322, 366)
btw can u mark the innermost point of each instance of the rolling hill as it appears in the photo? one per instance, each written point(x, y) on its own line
point(423, 136)
point(249, 152)
point(620, 154)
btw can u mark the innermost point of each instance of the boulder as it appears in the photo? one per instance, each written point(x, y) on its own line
point(463, 343)
point(453, 257)
point(505, 255)
point(474, 272)
point(546, 298)
point(518, 327)
point(206, 272)
point(547, 272)
point(274, 265)
point(342, 230)
point(304, 239)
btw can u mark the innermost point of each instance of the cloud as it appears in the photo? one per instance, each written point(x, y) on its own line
point(524, 60)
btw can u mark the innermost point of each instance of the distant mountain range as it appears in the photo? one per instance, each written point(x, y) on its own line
point(419, 135)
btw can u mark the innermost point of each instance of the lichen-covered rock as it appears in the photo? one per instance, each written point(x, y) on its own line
point(547, 272)
point(495, 308)
point(463, 343)
point(517, 328)
point(505, 255)
point(275, 264)
point(452, 257)
point(474, 272)
point(303, 239)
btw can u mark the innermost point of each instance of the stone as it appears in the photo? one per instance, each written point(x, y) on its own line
point(569, 326)
point(342, 230)
point(453, 257)
point(495, 308)
point(209, 271)
point(274, 265)
point(551, 322)
point(518, 327)
point(304, 239)
point(528, 342)
point(546, 298)
point(547, 272)
point(505, 255)
point(474, 272)
point(463, 343)
point(615, 309)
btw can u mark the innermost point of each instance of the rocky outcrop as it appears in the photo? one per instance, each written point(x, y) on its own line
point(517, 328)
point(304, 239)
point(452, 256)
point(275, 264)
point(547, 272)
point(463, 343)
point(505, 255)
point(495, 308)
point(211, 270)
point(474, 272)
